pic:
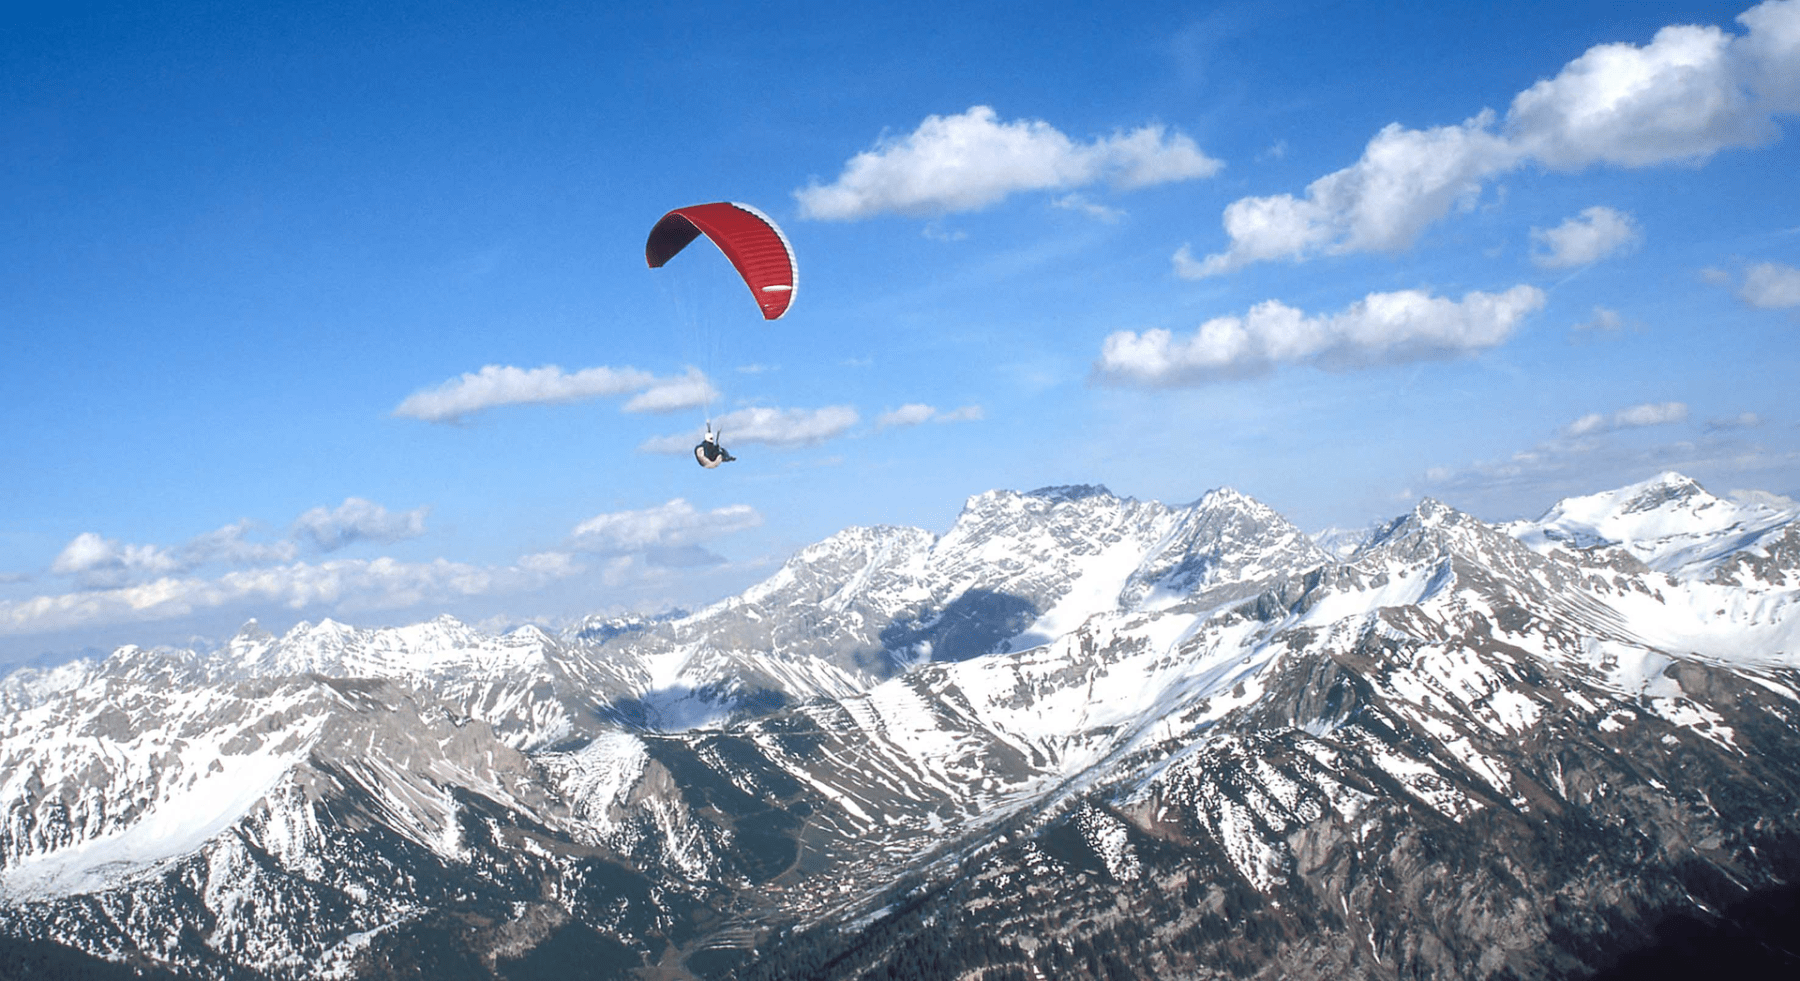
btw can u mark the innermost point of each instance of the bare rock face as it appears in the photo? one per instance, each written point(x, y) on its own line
point(1075, 736)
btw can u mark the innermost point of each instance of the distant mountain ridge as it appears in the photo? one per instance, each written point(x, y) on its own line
point(1074, 735)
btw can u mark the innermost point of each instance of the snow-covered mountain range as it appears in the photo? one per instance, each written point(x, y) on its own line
point(1074, 735)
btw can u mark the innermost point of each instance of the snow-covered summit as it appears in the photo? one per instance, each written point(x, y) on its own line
point(1669, 522)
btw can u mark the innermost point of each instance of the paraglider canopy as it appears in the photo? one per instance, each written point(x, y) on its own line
point(756, 248)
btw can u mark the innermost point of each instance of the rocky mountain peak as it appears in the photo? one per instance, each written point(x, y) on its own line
point(1434, 532)
point(1228, 497)
point(1661, 490)
point(251, 632)
point(1069, 492)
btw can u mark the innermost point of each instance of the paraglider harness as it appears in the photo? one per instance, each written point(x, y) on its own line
point(709, 453)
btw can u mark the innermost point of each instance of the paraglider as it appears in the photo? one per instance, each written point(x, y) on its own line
point(756, 248)
point(710, 453)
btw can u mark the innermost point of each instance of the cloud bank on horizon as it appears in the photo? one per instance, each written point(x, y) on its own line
point(125, 583)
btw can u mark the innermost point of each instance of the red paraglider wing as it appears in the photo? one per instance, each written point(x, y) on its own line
point(748, 238)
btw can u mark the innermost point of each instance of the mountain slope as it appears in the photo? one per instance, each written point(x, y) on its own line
point(1075, 736)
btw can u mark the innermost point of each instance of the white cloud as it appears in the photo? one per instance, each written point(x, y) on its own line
point(1771, 52)
point(1188, 267)
point(934, 230)
point(1678, 98)
point(228, 544)
point(1402, 326)
point(910, 414)
point(1592, 422)
point(1604, 318)
point(773, 427)
point(1595, 234)
point(105, 561)
point(358, 520)
point(670, 525)
point(98, 562)
point(670, 394)
point(349, 584)
point(1771, 285)
point(1689, 93)
point(1767, 499)
point(1637, 416)
point(1406, 180)
point(1743, 420)
point(914, 413)
point(787, 427)
point(550, 565)
point(967, 413)
point(497, 385)
point(1093, 209)
point(1715, 276)
point(970, 161)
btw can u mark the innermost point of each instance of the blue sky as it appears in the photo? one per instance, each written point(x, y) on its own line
point(343, 312)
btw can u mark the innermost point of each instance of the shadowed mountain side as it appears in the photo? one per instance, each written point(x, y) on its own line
point(687, 707)
point(1755, 938)
point(977, 622)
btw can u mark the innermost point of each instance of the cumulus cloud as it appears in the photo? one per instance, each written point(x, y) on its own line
point(914, 413)
point(910, 414)
point(497, 385)
point(88, 553)
point(935, 231)
point(970, 161)
point(1680, 97)
point(772, 427)
point(1689, 93)
point(1771, 285)
point(349, 584)
point(1093, 209)
point(1762, 498)
point(358, 520)
point(230, 544)
point(1743, 420)
point(1407, 325)
point(1406, 180)
point(1604, 318)
point(672, 525)
point(1637, 416)
point(670, 394)
point(97, 562)
point(1595, 234)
